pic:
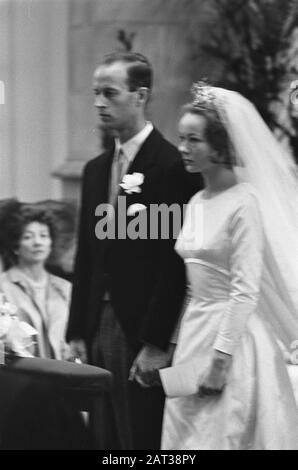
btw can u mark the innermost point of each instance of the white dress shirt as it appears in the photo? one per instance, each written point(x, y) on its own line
point(128, 152)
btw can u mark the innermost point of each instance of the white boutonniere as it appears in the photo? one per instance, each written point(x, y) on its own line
point(131, 183)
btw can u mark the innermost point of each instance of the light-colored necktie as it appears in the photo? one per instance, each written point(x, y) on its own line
point(118, 170)
point(120, 166)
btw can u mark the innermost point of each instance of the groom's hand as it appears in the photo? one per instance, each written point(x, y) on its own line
point(147, 362)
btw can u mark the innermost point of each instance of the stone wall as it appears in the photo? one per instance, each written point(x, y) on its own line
point(33, 119)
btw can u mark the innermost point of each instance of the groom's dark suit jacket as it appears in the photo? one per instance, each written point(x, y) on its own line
point(145, 278)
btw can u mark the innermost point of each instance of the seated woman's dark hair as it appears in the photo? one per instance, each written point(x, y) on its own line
point(14, 225)
point(215, 132)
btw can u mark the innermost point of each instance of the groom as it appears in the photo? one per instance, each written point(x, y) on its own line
point(128, 293)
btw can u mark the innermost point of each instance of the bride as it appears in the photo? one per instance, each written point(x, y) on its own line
point(228, 387)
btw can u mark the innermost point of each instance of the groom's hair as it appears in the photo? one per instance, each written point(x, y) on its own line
point(139, 69)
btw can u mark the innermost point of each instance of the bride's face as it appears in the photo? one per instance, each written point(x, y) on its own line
point(196, 152)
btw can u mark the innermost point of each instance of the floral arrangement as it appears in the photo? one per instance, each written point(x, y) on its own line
point(15, 335)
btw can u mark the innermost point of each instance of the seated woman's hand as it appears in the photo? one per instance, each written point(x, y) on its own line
point(215, 379)
point(76, 351)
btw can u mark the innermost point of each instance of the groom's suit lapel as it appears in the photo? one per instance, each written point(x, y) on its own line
point(146, 156)
point(101, 178)
point(98, 189)
point(144, 160)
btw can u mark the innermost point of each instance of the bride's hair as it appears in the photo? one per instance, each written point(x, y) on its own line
point(215, 132)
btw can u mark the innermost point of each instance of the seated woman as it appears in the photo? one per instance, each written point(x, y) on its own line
point(42, 298)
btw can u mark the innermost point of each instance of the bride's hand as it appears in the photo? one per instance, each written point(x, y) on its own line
point(215, 379)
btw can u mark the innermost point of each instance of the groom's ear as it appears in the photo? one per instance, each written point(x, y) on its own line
point(143, 95)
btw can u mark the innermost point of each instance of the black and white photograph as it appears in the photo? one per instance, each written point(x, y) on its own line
point(148, 227)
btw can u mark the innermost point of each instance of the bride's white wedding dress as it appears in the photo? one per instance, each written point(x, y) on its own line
point(223, 246)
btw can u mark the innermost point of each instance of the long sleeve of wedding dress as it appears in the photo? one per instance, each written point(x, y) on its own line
point(246, 259)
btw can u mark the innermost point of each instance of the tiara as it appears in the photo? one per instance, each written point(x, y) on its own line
point(203, 94)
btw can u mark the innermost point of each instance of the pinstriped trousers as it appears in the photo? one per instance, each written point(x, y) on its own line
point(130, 417)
